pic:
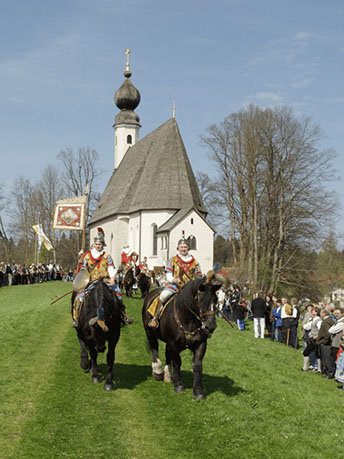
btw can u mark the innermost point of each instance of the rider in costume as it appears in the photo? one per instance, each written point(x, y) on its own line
point(131, 261)
point(144, 266)
point(180, 270)
point(99, 264)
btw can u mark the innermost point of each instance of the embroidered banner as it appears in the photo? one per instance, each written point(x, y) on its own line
point(70, 214)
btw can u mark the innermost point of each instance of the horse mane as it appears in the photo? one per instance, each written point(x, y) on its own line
point(189, 290)
point(101, 295)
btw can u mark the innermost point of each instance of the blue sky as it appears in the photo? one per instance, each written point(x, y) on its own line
point(62, 61)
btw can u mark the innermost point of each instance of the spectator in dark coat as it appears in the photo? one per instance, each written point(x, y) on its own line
point(324, 342)
point(258, 308)
point(239, 313)
point(268, 315)
point(293, 323)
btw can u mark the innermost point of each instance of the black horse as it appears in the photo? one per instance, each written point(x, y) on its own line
point(128, 282)
point(143, 282)
point(93, 334)
point(187, 322)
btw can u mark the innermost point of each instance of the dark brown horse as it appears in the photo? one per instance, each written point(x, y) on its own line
point(129, 282)
point(144, 282)
point(187, 322)
point(94, 334)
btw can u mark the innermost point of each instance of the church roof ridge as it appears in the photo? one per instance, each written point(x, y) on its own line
point(154, 174)
point(178, 217)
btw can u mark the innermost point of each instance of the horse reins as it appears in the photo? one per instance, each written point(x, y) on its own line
point(189, 335)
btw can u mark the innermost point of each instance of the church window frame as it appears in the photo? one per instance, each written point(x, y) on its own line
point(193, 242)
point(129, 139)
point(154, 227)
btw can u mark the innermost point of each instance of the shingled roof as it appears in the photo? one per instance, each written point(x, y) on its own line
point(154, 174)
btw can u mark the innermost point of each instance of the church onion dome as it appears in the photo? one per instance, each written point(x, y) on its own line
point(127, 98)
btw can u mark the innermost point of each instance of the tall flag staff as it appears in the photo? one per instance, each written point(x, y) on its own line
point(84, 222)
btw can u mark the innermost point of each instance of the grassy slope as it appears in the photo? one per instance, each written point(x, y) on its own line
point(259, 404)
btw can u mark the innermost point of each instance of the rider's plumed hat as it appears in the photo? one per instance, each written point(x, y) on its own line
point(100, 236)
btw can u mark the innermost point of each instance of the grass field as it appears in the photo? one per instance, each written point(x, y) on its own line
point(259, 404)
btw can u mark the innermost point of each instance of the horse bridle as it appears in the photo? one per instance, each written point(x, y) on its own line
point(189, 335)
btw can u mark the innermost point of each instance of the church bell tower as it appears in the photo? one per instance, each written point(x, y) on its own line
point(127, 122)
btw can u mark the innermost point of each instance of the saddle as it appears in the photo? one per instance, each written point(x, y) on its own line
point(155, 304)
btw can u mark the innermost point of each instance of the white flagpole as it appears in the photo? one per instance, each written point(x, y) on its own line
point(35, 256)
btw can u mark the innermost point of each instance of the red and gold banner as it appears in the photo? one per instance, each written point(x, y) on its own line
point(70, 214)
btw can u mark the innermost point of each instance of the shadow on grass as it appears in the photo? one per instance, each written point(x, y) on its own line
point(213, 384)
point(128, 376)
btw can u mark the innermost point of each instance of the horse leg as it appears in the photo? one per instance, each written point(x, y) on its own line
point(85, 362)
point(96, 376)
point(157, 370)
point(110, 358)
point(173, 356)
point(167, 369)
point(197, 367)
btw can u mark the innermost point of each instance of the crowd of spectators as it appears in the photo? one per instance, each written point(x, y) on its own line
point(23, 274)
point(320, 328)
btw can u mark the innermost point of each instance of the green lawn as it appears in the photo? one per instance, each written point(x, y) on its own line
point(259, 404)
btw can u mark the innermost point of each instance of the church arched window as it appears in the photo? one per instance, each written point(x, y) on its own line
point(193, 242)
point(154, 240)
point(129, 139)
point(192, 221)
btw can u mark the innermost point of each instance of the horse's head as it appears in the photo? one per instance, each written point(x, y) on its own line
point(207, 286)
point(98, 335)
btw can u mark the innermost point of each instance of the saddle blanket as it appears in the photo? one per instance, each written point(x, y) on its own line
point(153, 307)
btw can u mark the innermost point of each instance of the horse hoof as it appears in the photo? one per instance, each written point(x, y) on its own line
point(199, 397)
point(179, 389)
point(109, 386)
point(85, 365)
point(158, 376)
point(96, 379)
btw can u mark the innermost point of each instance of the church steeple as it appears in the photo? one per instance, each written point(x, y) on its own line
point(127, 122)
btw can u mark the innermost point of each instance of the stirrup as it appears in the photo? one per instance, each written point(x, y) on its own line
point(153, 323)
point(127, 320)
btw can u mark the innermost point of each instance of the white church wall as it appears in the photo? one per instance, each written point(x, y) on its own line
point(194, 225)
point(148, 219)
point(163, 248)
point(120, 237)
point(134, 232)
point(116, 236)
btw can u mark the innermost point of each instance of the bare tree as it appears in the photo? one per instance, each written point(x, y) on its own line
point(23, 213)
point(271, 183)
point(78, 170)
point(3, 236)
point(46, 192)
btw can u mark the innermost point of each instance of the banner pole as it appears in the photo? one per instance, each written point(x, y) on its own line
point(84, 222)
point(35, 256)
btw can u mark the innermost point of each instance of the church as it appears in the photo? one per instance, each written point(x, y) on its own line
point(152, 195)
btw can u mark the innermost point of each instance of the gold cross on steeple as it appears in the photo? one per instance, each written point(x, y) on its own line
point(127, 52)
